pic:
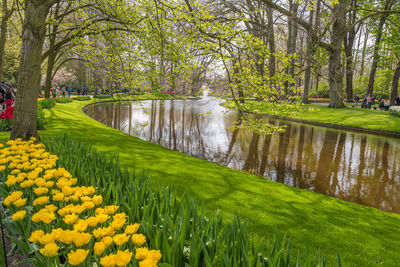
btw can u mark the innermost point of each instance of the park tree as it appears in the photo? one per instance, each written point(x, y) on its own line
point(29, 74)
point(7, 10)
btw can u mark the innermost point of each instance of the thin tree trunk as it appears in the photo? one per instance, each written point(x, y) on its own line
point(375, 60)
point(33, 34)
point(291, 46)
point(316, 26)
point(3, 35)
point(310, 52)
point(348, 48)
point(271, 41)
point(49, 74)
point(364, 51)
point(335, 64)
point(395, 84)
point(52, 56)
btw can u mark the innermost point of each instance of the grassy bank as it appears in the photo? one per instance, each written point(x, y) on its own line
point(353, 117)
point(365, 236)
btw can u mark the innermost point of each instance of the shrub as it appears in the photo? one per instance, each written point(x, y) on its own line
point(102, 96)
point(40, 119)
point(394, 112)
point(323, 91)
point(63, 100)
point(5, 125)
point(47, 103)
point(81, 98)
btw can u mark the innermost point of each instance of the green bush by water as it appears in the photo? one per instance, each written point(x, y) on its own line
point(63, 100)
point(81, 98)
point(102, 96)
point(47, 103)
point(40, 119)
point(176, 226)
point(394, 112)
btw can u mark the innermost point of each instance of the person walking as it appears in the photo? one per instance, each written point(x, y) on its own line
point(3, 89)
point(369, 101)
point(356, 100)
point(69, 91)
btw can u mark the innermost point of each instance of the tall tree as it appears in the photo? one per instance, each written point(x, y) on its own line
point(33, 34)
point(6, 15)
point(379, 32)
point(395, 84)
point(335, 62)
point(348, 48)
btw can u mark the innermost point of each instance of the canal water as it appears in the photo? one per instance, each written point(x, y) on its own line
point(351, 166)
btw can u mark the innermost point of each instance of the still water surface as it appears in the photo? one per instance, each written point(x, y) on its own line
point(346, 165)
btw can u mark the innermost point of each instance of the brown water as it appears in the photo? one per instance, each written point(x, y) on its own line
point(346, 165)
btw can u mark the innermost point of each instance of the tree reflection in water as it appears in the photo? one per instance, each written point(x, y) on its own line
point(347, 165)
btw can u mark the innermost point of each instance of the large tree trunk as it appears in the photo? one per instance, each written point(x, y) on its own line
point(375, 59)
point(33, 33)
point(3, 35)
point(335, 62)
point(395, 84)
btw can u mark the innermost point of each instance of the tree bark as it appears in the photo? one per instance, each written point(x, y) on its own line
point(395, 84)
point(291, 45)
point(348, 48)
point(310, 52)
point(364, 51)
point(335, 62)
point(271, 41)
point(49, 74)
point(33, 34)
point(3, 35)
point(382, 20)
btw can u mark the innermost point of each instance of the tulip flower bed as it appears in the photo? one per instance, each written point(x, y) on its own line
point(6, 119)
point(66, 223)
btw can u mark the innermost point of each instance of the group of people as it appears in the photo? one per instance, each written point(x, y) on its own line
point(368, 102)
point(67, 90)
point(7, 95)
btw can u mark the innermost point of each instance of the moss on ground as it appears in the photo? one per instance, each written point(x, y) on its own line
point(364, 236)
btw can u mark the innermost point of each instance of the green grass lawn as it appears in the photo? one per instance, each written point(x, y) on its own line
point(364, 236)
point(354, 117)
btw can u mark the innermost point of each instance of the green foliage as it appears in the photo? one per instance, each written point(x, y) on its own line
point(382, 82)
point(46, 103)
point(40, 119)
point(81, 98)
point(323, 90)
point(394, 112)
point(360, 85)
point(63, 100)
point(177, 226)
point(102, 96)
point(5, 125)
